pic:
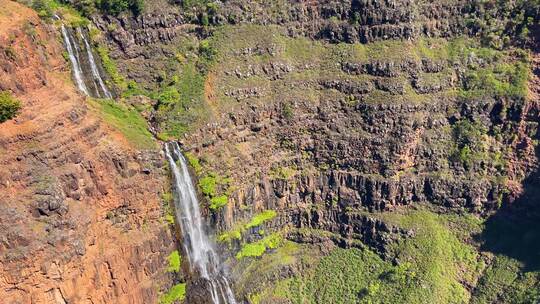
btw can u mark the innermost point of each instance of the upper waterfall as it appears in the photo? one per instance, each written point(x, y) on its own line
point(202, 256)
point(86, 72)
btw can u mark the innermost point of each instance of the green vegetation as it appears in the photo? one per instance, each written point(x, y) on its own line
point(209, 184)
point(200, 11)
point(110, 67)
point(116, 7)
point(181, 102)
point(175, 260)
point(500, 23)
point(9, 106)
point(216, 189)
point(284, 173)
point(169, 218)
point(167, 207)
point(48, 8)
point(433, 266)
point(127, 120)
point(74, 11)
point(258, 248)
point(218, 201)
point(194, 162)
point(236, 232)
point(503, 80)
point(233, 234)
point(260, 218)
point(45, 8)
point(503, 282)
point(469, 138)
point(176, 293)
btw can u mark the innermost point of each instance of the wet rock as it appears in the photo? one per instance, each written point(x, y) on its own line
point(198, 291)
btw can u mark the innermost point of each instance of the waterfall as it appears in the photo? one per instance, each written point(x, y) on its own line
point(74, 58)
point(86, 72)
point(200, 251)
point(95, 71)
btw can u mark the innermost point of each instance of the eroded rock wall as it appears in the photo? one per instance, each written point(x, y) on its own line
point(80, 209)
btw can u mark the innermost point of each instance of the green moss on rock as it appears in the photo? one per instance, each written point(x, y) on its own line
point(176, 293)
point(175, 260)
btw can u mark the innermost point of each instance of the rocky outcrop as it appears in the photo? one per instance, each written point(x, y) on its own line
point(80, 206)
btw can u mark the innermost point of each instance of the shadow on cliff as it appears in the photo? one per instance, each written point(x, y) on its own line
point(515, 229)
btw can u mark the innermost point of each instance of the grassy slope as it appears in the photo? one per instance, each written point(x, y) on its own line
point(127, 120)
point(436, 265)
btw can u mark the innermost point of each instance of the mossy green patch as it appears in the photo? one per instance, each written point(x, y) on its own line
point(236, 232)
point(110, 67)
point(127, 120)
point(216, 189)
point(260, 218)
point(502, 80)
point(194, 162)
point(258, 248)
point(208, 185)
point(176, 293)
point(175, 260)
point(181, 104)
point(218, 202)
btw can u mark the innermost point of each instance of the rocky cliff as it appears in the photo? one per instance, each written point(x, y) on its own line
point(345, 123)
point(345, 151)
point(80, 210)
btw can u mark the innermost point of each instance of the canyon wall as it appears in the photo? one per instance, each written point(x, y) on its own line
point(80, 210)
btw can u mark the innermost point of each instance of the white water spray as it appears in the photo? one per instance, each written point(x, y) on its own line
point(86, 73)
point(73, 58)
point(202, 256)
point(95, 71)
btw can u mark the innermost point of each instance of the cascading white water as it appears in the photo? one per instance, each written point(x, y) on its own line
point(95, 71)
point(74, 59)
point(202, 256)
point(85, 70)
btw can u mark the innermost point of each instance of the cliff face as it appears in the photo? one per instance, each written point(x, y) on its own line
point(80, 209)
point(346, 152)
point(401, 138)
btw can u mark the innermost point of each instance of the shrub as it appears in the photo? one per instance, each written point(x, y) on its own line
point(194, 162)
point(168, 96)
point(469, 139)
point(208, 185)
point(9, 106)
point(44, 8)
point(207, 50)
point(116, 7)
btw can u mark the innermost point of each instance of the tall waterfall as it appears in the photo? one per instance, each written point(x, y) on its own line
point(86, 72)
point(202, 256)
